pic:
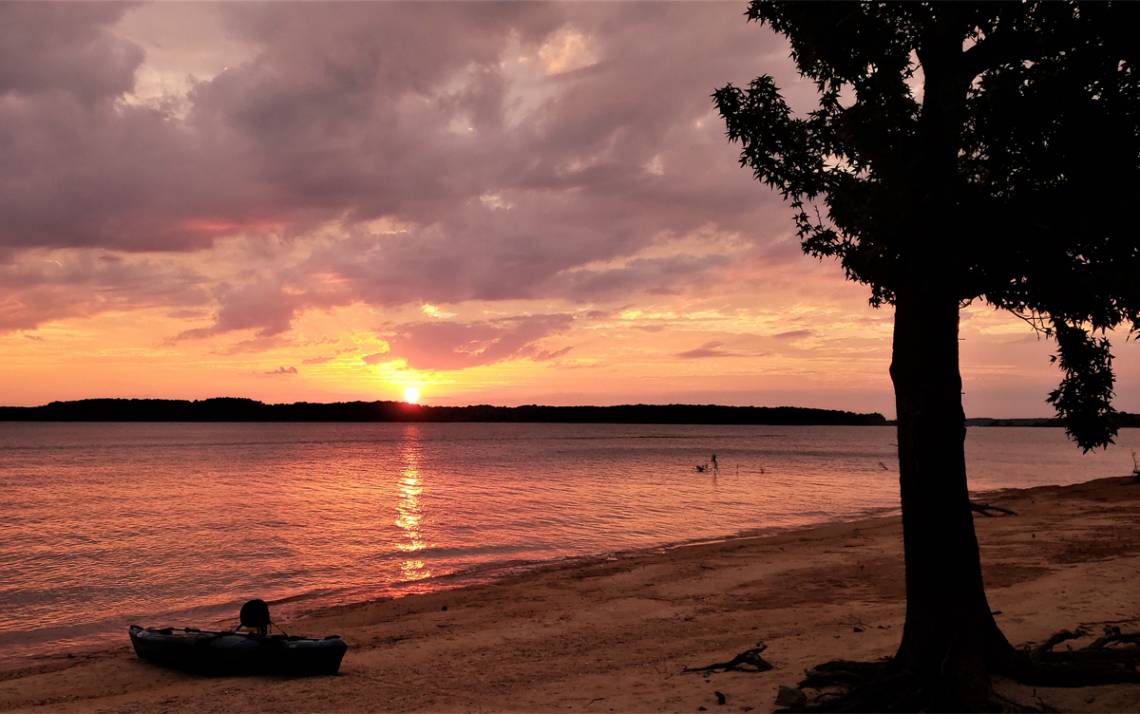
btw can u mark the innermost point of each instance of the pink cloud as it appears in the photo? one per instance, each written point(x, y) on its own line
point(362, 114)
point(457, 345)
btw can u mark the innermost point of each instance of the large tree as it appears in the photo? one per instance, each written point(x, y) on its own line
point(961, 152)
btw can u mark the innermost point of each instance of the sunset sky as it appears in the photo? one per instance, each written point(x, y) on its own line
point(504, 203)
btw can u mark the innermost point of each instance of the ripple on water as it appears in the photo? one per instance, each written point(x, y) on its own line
point(105, 524)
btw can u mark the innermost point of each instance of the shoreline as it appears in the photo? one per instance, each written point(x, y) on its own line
point(521, 569)
point(305, 605)
point(620, 627)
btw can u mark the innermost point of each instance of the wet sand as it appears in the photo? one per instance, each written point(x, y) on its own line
point(615, 635)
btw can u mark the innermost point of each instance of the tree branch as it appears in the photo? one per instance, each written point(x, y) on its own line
point(1009, 47)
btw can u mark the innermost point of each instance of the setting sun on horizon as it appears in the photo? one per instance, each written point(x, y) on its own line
point(412, 394)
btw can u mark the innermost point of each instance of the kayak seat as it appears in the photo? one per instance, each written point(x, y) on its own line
point(255, 615)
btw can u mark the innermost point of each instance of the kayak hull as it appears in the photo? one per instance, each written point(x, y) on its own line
point(237, 653)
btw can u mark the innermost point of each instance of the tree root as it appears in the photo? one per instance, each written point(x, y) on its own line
point(884, 686)
point(746, 661)
point(847, 686)
point(987, 509)
point(843, 672)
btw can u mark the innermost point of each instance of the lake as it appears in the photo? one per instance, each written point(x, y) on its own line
point(104, 524)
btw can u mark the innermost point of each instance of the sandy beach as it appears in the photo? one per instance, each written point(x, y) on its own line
point(615, 635)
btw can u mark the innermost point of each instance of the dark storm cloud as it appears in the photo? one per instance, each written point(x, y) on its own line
point(509, 178)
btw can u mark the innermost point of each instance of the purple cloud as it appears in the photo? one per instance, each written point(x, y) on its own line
point(511, 162)
point(46, 286)
point(441, 345)
point(66, 47)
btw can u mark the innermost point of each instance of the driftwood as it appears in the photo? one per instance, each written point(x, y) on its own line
point(1101, 662)
point(1112, 636)
point(1046, 647)
point(988, 510)
point(746, 661)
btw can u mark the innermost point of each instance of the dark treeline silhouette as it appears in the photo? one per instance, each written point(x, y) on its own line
point(1120, 420)
point(236, 409)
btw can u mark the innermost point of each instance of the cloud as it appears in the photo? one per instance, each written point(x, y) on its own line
point(714, 349)
point(507, 142)
point(261, 304)
point(65, 47)
point(661, 276)
point(324, 359)
point(283, 370)
point(377, 357)
point(549, 355)
point(793, 334)
point(460, 345)
point(52, 285)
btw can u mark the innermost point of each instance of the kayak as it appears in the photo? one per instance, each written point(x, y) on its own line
point(237, 653)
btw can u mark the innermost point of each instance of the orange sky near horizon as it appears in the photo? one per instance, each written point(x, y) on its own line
point(505, 204)
point(828, 352)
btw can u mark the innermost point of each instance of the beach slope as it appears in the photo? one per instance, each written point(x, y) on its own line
point(615, 635)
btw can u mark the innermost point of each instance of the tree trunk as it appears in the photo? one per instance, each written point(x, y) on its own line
point(950, 640)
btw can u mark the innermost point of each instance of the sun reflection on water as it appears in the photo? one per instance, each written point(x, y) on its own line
point(409, 510)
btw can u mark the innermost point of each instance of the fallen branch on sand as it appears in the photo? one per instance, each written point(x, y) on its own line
point(1113, 635)
point(985, 509)
point(746, 661)
point(1098, 663)
point(1055, 639)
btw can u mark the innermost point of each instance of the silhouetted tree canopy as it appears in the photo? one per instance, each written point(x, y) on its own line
point(1042, 179)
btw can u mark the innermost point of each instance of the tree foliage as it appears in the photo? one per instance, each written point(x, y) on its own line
point(1046, 163)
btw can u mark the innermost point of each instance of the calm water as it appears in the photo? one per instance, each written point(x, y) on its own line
point(106, 524)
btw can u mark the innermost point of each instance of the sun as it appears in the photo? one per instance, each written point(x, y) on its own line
point(412, 394)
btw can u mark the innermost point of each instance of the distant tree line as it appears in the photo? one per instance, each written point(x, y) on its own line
point(237, 409)
point(1120, 420)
